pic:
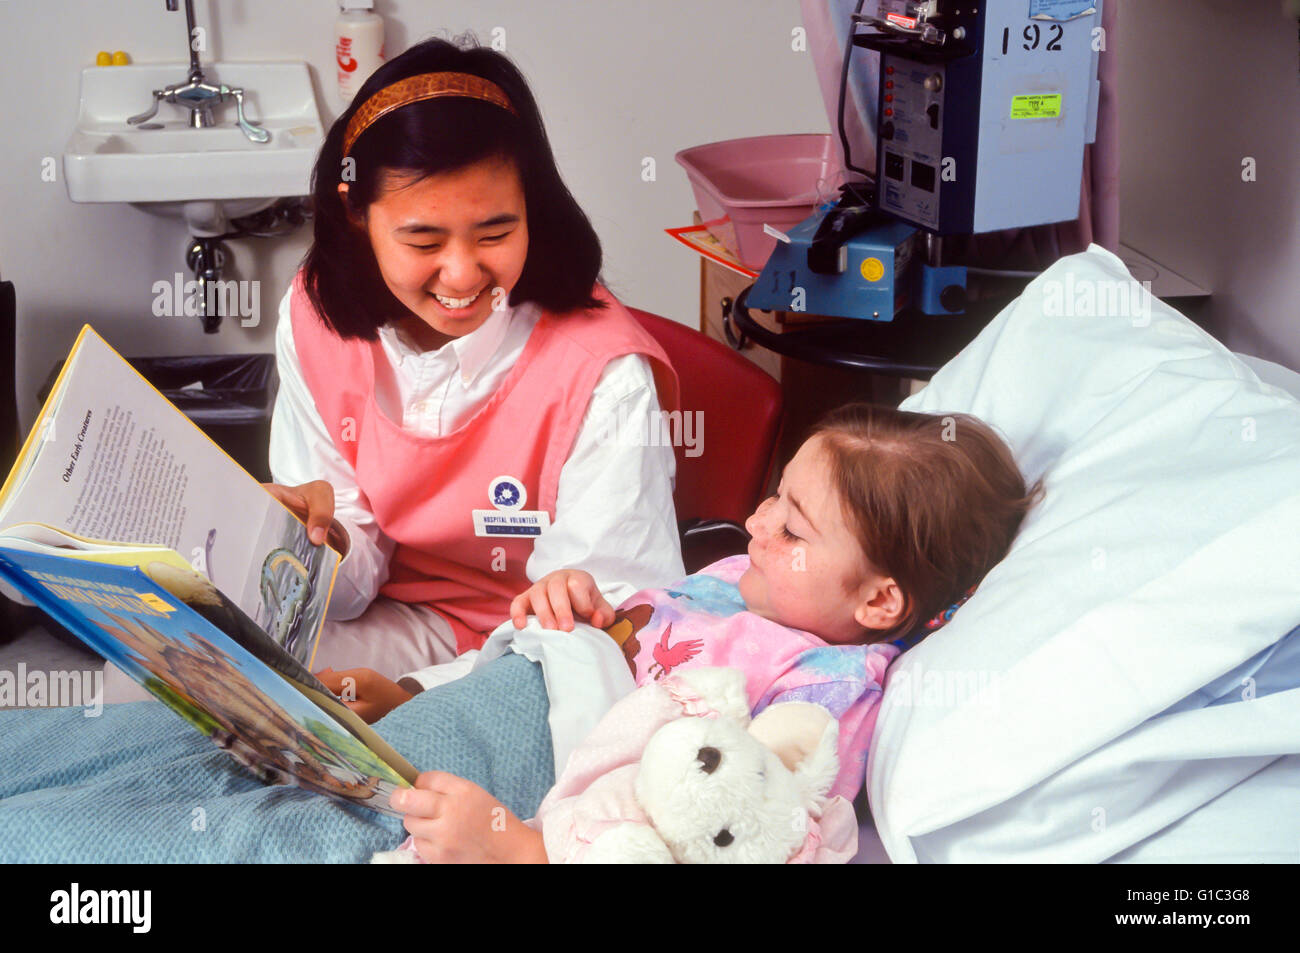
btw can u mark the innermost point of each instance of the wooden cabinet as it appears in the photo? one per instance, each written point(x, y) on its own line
point(719, 287)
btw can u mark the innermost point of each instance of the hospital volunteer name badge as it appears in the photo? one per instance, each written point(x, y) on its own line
point(509, 518)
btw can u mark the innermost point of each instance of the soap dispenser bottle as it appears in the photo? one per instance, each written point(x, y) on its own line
point(359, 45)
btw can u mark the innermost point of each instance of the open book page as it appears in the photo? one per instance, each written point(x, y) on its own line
point(111, 459)
point(208, 678)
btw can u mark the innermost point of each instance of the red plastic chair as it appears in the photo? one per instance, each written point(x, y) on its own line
point(736, 413)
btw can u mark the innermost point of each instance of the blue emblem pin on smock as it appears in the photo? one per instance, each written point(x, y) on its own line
point(509, 518)
point(507, 493)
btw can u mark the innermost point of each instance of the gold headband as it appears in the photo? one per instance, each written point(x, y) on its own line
point(414, 89)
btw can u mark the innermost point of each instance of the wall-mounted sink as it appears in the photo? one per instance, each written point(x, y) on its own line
point(164, 163)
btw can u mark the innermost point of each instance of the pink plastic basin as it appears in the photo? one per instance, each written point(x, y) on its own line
point(742, 184)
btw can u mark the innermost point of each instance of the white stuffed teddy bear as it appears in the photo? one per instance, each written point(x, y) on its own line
point(676, 772)
point(710, 785)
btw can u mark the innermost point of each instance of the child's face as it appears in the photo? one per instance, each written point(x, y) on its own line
point(806, 569)
point(448, 238)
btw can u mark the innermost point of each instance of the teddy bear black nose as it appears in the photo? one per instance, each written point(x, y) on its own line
point(709, 759)
point(723, 838)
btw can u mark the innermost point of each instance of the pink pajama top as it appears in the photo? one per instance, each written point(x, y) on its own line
point(702, 621)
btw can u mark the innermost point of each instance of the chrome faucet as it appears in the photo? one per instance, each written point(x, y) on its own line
point(198, 95)
point(196, 72)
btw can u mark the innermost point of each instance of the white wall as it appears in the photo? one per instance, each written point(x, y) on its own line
point(1205, 84)
point(616, 80)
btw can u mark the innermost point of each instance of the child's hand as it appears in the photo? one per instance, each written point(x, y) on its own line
point(558, 596)
point(454, 821)
point(369, 694)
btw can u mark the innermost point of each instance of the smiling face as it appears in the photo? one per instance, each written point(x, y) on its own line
point(807, 570)
point(446, 242)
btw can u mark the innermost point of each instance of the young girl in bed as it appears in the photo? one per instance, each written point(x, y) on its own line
point(882, 520)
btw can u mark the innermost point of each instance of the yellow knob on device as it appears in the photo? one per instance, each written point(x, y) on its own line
point(873, 269)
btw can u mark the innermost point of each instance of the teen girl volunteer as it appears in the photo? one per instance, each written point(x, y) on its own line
point(446, 354)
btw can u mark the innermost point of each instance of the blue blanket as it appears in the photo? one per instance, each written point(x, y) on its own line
point(138, 785)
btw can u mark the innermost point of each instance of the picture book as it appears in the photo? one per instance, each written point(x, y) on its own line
point(111, 462)
point(146, 610)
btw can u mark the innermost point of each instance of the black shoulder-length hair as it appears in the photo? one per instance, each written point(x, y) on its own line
point(341, 275)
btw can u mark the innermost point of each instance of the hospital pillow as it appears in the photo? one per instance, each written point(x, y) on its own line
point(1127, 662)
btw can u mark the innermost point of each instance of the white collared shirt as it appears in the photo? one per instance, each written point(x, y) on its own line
point(614, 514)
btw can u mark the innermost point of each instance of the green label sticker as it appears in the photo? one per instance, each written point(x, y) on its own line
point(1036, 106)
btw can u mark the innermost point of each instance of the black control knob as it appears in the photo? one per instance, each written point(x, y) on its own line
point(953, 298)
point(887, 130)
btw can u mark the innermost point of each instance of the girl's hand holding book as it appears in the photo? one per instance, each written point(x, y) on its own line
point(313, 503)
point(454, 821)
